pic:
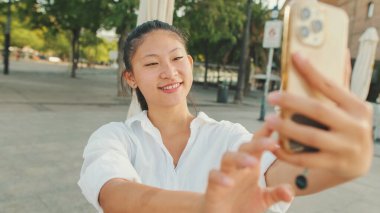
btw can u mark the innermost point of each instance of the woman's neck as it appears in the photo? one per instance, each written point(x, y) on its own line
point(170, 119)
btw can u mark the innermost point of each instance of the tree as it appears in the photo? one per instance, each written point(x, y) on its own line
point(57, 44)
point(22, 36)
point(123, 18)
point(257, 52)
point(244, 57)
point(94, 49)
point(212, 25)
point(73, 15)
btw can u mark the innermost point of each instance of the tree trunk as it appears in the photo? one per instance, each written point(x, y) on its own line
point(205, 85)
point(218, 71)
point(247, 84)
point(244, 56)
point(75, 51)
point(226, 57)
point(120, 62)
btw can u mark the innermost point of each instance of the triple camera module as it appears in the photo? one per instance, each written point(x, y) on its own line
point(310, 26)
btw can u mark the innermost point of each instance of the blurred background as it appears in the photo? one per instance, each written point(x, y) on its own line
point(60, 80)
point(91, 33)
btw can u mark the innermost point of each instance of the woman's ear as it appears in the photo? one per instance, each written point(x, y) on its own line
point(128, 75)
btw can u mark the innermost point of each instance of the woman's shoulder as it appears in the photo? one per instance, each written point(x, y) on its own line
point(110, 134)
point(119, 132)
point(110, 129)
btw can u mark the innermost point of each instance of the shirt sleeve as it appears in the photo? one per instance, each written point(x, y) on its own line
point(240, 135)
point(105, 157)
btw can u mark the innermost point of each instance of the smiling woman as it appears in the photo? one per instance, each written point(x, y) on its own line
point(166, 159)
point(150, 64)
point(161, 66)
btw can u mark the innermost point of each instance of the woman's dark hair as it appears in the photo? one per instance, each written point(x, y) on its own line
point(135, 39)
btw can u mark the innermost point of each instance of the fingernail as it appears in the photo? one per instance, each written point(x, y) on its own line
point(271, 120)
point(299, 57)
point(227, 181)
point(276, 146)
point(249, 160)
point(271, 144)
point(290, 189)
point(274, 97)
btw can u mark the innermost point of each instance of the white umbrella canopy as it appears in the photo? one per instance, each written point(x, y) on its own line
point(150, 10)
point(156, 9)
point(362, 72)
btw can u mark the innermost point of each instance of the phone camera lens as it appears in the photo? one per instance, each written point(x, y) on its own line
point(316, 26)
point(304, 31)
point(305, 14)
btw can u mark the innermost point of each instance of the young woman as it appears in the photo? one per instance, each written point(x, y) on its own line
point(166, 159)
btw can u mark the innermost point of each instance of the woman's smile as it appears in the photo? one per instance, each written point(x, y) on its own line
point(170, 88)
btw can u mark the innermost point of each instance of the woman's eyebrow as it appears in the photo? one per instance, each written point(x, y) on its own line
point(155, 55)
point(175, 49)
point(150, 55)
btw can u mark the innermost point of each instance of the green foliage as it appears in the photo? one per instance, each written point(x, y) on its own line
point(57, 44)
point(218, 25)
point(46, 25)
point(22, 36)
point(260, 14)
point(68, 15)
point(212, 24)
point(95, 49)
point(122, 16)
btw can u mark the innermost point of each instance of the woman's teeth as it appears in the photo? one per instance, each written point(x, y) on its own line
point(173, 86)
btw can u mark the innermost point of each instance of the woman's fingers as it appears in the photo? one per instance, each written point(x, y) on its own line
point(257, 147)
point(310, 136)
point(218, 178)
point(232, 161)
point(260, 143)
point(265, 131)
point(327, 114)
point(337, 94)
point(274, 195)
point(320, 160)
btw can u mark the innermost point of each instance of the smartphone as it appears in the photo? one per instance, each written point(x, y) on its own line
point(319, 32)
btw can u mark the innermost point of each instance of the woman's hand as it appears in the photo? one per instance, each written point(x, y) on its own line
point(235, 187)
point(346, 149)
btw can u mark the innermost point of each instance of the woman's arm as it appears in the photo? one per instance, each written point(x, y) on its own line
point(120, 195)
point(281, 172)
point(233, 188)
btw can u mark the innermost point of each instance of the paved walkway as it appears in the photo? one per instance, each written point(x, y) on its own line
point(45, 121)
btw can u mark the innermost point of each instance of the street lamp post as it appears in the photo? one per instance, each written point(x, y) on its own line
point(7, 40)
point(277, 39)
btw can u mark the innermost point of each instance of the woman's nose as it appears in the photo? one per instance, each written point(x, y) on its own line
point(168, 70)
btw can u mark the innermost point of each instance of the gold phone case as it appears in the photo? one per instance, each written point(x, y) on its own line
point(319, 32)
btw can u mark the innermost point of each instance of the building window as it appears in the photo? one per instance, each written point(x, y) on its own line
point(370, 9)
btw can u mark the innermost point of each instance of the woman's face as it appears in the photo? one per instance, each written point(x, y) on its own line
point(162, 70)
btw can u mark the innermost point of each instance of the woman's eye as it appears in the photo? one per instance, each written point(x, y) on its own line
point(178, 58)
point(151, 64)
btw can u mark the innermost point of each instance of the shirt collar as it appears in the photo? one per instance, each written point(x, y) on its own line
point(138, 118)
point(143, 119)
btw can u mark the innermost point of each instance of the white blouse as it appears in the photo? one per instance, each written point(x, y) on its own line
point(134, 150)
